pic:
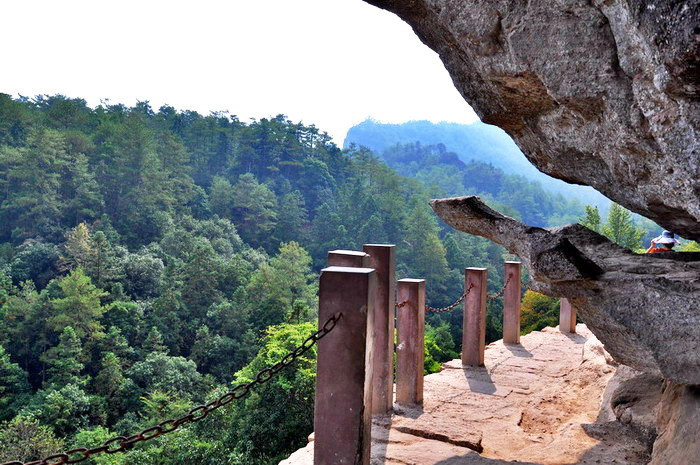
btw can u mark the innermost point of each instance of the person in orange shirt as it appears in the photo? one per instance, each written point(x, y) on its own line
point(663, 243)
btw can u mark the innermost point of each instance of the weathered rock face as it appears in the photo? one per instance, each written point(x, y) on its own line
point(597, 92)
point(662, 414)
point(678, 426)
point(644, 308)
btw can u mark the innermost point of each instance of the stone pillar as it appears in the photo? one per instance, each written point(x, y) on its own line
point(567, 316)
point(351, 258)
point(511, 304)
point(342, 412)
point(474, 331)
point(410, 320)
point(383, 260)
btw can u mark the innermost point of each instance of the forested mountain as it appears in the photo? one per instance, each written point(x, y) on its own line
point(150, 258)
point(446, 175)
point(471, 142)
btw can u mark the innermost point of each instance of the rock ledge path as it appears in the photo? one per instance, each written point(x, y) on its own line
point(536, 403)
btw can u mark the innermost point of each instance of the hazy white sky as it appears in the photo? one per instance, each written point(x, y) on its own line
point(331, 63)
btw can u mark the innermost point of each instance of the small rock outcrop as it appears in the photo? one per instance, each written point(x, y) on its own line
point(644, 308)
point(603, 93)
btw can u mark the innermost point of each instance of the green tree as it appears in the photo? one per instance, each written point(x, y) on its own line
point(32, 177)
point(439, 347)
point(200, 277)
point(591, 219)
point(254, 206)
point(36, 261)
point(78, 249)
point(14, 386)
point(68, 408)
point(79, 307)
point(64, 361)
point(538, 311)
point(423, 250)
point(691, 246)
point(278, 288)
point(26, 439)
point(161, 372)
point(221, 197)
point(291, 218)
point(265, 433)
point(110, 380)
point(154, 342)
point(620, 228)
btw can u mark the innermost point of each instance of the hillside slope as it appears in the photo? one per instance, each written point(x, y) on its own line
point(476, 141)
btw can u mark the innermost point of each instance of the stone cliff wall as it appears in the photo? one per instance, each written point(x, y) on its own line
point(603, 92)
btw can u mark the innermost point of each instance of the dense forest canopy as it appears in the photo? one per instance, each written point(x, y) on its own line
point(150, 258)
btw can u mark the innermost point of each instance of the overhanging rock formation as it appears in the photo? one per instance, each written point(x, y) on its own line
point(597, 92)
point(644, 308)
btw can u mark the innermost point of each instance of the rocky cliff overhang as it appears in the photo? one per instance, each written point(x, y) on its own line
point(596, 92)
point(644, 308)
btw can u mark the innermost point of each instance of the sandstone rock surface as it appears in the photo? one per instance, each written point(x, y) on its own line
point(531, 404)
point(644, 308)
point(597, 92)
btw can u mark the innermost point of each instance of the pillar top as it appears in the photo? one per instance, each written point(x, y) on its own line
point(347, 269)
point(379, 245)
point(411, 280)
point(514, 262)
point(476, 269)
point(348, 252)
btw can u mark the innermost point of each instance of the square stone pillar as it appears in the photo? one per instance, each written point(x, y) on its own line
point(383, 260)
point(474, 331)
point(351, 258)
point(567, 316)
point(342, 410)
point(511, 303)
point(410, 345)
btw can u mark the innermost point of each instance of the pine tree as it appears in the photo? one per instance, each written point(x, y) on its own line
point(254, 212)
point(78, 250)
point(63, 361)
point(80, 307)
point(591, 219)
point(621, 229)
point(154, 342)
point(221, 197)
point(110, 378)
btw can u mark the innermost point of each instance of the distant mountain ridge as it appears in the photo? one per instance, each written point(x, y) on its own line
point(476, 141)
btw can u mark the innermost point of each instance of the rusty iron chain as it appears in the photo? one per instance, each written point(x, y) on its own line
point(503, 289)
point(428, 308)
point(124, 443)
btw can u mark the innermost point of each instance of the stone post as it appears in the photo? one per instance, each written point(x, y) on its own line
point(511, 303)
point(474, 331)
point(410, 319)
point(567, 316)
point(351, 258)
point(383, 260)
point(342, 412)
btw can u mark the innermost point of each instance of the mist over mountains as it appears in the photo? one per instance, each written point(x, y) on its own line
point(476, 141)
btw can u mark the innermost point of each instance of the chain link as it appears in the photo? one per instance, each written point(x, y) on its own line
point(428, 308)
point(124, 443)
point(502, 291)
